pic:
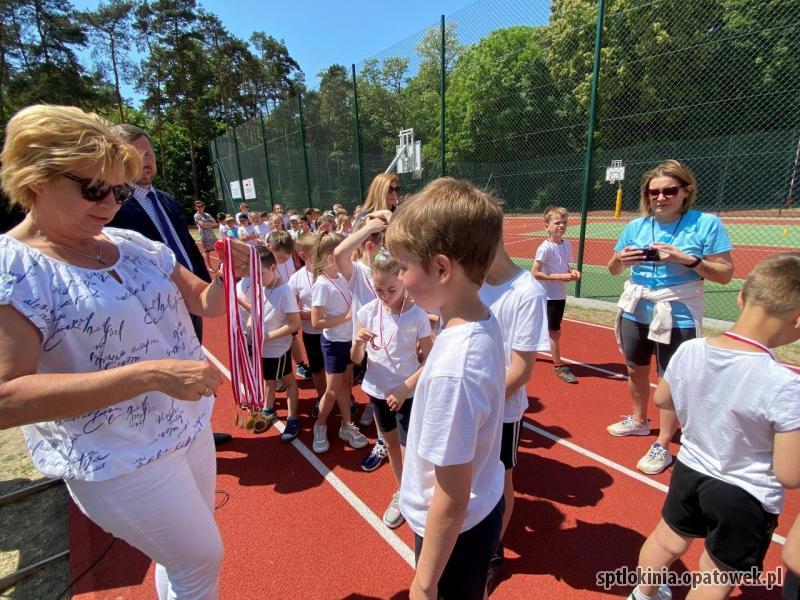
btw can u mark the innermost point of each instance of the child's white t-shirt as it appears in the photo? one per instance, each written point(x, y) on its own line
point(302, 283)
point(555, 259)
point(389, 367)
point(247, 230)
point(361, 286)
point(277, 304)
point(457, 418)
point(262, 229)
point(223, 231)
point(286, 269)
point(730, 403)
point(520, 307)
point(335, 297)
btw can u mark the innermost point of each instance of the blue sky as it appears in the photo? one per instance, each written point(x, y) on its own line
point(320, 33)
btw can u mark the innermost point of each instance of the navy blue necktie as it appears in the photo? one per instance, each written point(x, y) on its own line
point(170, 240)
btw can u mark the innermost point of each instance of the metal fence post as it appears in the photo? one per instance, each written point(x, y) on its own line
point(587, 160)
point(238, 162)
point(303, 144)
point(441, 103)
point(266, 159)
point(358, 139)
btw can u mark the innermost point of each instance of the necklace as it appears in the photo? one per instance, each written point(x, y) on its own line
point(385, 344)
point(671, 237)
point(750, 342)
point(98, 258)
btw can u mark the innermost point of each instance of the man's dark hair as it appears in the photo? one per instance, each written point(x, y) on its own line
point(131, 133)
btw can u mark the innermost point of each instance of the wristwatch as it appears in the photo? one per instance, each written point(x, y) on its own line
point(697, 260)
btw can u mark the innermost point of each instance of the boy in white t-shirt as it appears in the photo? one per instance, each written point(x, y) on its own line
point(246, 232)
point(262, 229)
point(451, 493)
point(740, 420)
point(282, 244)
point(552, 268)
point(519, 303)
point(281, 319)
point(302, 283)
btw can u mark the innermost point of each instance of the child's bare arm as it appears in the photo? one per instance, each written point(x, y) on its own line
point(536, 271)
point(791, 549)
point(445, 517)
point(662, 397)
point(359, 346)
point(321, 320)
point(343, 253)
point(786, 458)
point(520, 370)
point(292, 325)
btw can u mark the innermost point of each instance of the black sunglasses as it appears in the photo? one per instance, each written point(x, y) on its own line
point(394, 188)
point(668, 192)
point(97, 191)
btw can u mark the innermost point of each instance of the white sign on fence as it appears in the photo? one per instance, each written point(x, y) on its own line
point(236, 190)
point(616, 172)
point(249, 189)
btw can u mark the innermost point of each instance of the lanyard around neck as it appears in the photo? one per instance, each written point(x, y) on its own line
point(751, 342)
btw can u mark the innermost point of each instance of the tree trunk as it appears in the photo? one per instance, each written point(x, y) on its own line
point(195, 189)
point(116, 74)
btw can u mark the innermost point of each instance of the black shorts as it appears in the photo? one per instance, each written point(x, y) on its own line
point(555, 313)
point(734, 524)
point(791, 586)
point(277, 368)
point(388, 420)
point(312, 342)
point(638, 349)
point(335, 355)
point(510, 443)
point(464, 575)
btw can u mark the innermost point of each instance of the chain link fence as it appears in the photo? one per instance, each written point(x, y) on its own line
point(715, 84)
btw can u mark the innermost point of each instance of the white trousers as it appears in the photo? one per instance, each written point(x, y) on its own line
point(166, 510)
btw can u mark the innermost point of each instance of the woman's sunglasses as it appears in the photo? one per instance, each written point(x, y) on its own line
point(97, 191)
point(394, 188)
point(667, 192)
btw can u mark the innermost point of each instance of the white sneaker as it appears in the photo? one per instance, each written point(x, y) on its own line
point(393, 518)
point(350, 434)
point(656, 460)
point(320, 444)
point(629, 426)
point(663, 593)
point(366, 419)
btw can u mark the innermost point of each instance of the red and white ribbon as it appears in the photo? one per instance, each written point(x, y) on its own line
point(246, 368)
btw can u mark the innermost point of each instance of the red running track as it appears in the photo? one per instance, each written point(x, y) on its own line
point(290, 533)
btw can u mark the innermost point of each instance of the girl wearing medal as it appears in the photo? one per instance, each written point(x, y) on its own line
point(389, 328)
point(331, 303)
point(670, 250)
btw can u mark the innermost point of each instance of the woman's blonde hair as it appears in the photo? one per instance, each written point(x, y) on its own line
point(326, 244)
point(678, 171)
point(43, 142)
point(378, 191)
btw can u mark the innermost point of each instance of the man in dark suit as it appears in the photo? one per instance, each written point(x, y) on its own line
point(156, 215)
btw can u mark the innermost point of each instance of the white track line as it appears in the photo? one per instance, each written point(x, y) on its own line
point(345, 492)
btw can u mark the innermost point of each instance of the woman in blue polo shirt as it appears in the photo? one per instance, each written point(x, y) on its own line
point(670, 250)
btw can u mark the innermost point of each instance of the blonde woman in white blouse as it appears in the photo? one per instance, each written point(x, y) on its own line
point(99, 363)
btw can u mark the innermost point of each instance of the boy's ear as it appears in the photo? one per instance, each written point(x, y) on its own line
point(442, 266)
point(740, 300)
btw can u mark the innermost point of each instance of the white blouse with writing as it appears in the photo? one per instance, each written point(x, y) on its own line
point(89, 322)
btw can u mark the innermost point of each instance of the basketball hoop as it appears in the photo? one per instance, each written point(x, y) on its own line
point(408, 155)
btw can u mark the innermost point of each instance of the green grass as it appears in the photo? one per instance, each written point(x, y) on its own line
point(741, 234)
point(598, 283)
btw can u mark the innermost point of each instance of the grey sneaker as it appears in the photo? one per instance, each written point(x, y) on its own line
point(393, 518)
point(663, 593)
point(629, 426)
point(350, 434)
point(320, 444)
point(656, 460)
point(563, 372)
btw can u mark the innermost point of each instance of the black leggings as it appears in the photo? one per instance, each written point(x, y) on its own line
point(638, 349)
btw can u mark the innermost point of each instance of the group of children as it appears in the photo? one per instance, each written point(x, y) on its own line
point(449, 413)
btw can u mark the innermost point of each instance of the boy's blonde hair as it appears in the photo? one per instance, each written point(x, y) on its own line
point(774, 284)
point(305, 243)
point(281, 241)
point(554, 210)
point(326, 244)
point(669, 168)
point(451, 217)
point(44, 142)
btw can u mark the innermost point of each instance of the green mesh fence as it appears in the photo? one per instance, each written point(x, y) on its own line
point(714, 83)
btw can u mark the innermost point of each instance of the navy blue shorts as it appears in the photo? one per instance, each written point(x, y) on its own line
point(464, 575)
point(335, 355)
point(313, 345)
